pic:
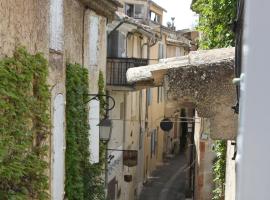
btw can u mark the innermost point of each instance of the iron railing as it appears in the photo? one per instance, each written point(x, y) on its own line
point(117, 69)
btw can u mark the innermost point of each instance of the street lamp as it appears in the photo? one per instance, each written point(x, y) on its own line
point(105, 125)
point(105, 130)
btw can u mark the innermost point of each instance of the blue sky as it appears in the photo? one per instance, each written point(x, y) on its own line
point(180, 9)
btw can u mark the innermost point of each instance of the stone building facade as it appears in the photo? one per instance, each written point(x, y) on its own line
point(134, 39)
point(65, 31)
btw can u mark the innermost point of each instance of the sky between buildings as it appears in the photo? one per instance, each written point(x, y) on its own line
point(180, 9)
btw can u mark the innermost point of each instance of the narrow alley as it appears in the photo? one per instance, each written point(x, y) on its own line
point(167, 182)
point(133, 100)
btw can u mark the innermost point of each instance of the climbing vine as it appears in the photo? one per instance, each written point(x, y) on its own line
point(24, 126)
point(83, 179)
point(77, 143)
point(219, 170)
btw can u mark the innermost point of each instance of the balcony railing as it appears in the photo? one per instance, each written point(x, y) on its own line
point(117, 69)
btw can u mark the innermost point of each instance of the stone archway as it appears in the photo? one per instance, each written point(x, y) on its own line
point(203, 78)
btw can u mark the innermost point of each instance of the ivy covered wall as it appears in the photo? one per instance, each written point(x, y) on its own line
point(24, 126)
point(83, 180)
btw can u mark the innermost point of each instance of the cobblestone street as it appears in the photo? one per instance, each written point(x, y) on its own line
point(167, 182)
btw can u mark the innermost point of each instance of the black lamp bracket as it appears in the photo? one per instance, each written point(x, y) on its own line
point(108, 98)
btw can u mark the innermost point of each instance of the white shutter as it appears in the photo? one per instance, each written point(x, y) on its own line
point(58, 148)
point(56, 25)
point(93, 40)
point(94, 131)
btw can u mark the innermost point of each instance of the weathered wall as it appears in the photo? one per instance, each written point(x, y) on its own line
point(210, 88)
point(24, 23)
point(74, 31)
point(155, 114)
point(115, 166)
point(157, 10)
point(132, 130)
point(204, 160)
point(95, 44)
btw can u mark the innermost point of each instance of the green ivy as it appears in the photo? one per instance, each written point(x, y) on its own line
point(83, 180)
point(215, 22)
point(219, 170)
point(24, 126)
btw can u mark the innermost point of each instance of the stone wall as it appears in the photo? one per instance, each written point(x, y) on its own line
point(74, 31)
point(210, 88)
point(24, 23)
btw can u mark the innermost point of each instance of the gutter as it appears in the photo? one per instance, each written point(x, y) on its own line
point(146, 32)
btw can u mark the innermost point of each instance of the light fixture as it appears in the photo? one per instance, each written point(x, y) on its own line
point(105, 129)
point(105, 125)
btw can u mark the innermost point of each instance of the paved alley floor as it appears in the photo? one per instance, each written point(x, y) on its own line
point(167, 182)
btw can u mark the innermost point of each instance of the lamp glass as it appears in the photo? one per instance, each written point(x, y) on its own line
point(105, 130)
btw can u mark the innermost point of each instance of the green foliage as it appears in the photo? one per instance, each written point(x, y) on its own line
point(216, 17)
point(101, 91)
point(24, 126)
point(219, 170)
point(77, 143)
point(83, 180)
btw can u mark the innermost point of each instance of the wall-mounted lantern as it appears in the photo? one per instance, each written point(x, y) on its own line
point(105, 130)
point(105, 124)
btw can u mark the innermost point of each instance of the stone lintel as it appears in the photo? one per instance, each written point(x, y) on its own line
point(105, 8)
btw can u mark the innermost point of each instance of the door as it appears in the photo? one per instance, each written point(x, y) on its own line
point(58, 148)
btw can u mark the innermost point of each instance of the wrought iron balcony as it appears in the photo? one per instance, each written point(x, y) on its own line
point(117, 68)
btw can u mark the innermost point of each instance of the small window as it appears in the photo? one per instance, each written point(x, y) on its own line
point(160, 96)
point(149, 96)
point(139, 11)
point(135, 10)
point(161, 53)
point(155, 17)
point(130, 10)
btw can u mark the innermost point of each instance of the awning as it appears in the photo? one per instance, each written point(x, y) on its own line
point(203, 58)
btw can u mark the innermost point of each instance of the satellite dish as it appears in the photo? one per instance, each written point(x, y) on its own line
point(166, 124)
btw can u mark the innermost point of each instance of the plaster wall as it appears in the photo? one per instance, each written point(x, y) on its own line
point(95, 44)
point(24, 23)
point(132, 134)
point(157, 10)
point(175, 51)
point(74, 31)
point(155, 113)
point(230, 180)
point(154, 51)
point(115, 166)
point(204, 160)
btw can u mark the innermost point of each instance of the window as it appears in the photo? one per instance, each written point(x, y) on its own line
point(155, 17)
point(160, 95)
point(149, 96)
point(153, 142)
point(161, 53)
point(135, 10)
point(139, 11)
point(130, 10)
